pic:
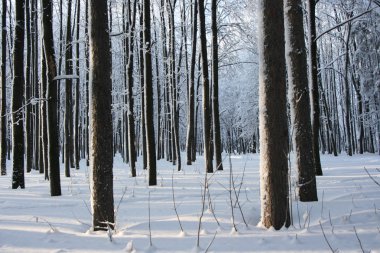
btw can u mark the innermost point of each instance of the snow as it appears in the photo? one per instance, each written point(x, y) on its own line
point(32, 221)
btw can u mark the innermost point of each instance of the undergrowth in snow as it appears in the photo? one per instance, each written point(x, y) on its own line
point(346, 218)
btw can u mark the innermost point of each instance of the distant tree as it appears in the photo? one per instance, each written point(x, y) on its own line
point(3, 111)
point(18, 179)
point(51, 97)
point(101, 137)
point(207, 138)
point(299, 99)
point(148, 97)
point(273, 116)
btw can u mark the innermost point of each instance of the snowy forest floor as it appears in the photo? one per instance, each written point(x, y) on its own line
point(348, 211)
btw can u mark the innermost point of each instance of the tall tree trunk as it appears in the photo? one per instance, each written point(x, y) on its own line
point(101, 151)
point(130, 81)
point(44, 131)
point(142, 90)
point(300, 101)
point(215, 87)
point(313, 79)
point(77, 95)
point(18, 179)
point(273, 118)
point(190, 140)
point(51, 96)
point(68, 93)
point(148, 98)
point(207, 138)
point(28, 94)
point(3, 118)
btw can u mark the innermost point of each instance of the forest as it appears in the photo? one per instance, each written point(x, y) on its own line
point(253, 105)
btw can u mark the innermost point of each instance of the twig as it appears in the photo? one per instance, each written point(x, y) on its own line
point(174, 204)
point(327, 241)
point(370, 176)
point(360, 243)
point(230, 190)
point(203, 197)
point(209, 245)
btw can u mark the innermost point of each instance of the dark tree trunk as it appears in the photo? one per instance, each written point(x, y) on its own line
point(28, 94)
point(3, 118)
point(207, 138)
point(273, 117)
point(130, 81)
point(300, 101)
point(77, 95)
point(18, 179)
point(148, 98)
point(51, 96)
point(313, 70)
point(215, 88)
point(190, 142)
point(101, 151)
point(68, 94)
point(142, 90)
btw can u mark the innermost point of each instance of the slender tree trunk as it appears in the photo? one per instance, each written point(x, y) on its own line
point(101, 151)
point(190, 111)
point(148, 98)
point(273, 117)
point(313, 79)
point(3, 118)
point(68, 93)
point(77, 95)
point(18, 179)
point(207, 138)
point(301, 131)
point(28, 94)
point(130, 81)
point(51, 96)
point(44, 131)
point(215, 87)
point(142, 90)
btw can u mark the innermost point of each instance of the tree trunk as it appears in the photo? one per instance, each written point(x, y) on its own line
point(273, 119)
point(130, 113)
point(300, 102)
point(18, 179)
point(28, 93)
point(191, 107)
point(3, 118)
point(313, 79)
point(207, 138)
point(51, 96)
point(101, 146)
point(148, 98)
point(215, 87)
point(77, 95)
point(68, 93)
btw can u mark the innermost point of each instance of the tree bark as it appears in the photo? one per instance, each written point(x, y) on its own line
point(215, 87)
point(300, 102)
point(3, 118)
point(273, 117)
point(101, 141)
point(18, 179)
point(313, 79)
point(148, 98)
point(207, 138)
point(51, 96)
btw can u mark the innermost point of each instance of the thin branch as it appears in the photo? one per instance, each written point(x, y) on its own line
point(344, 22)
point(370, 176)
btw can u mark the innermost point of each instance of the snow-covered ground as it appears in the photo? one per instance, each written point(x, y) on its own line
point(32, 221)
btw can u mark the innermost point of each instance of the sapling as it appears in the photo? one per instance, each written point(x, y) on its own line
point(327, 241)
point(174, 204)
point(360, 242)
